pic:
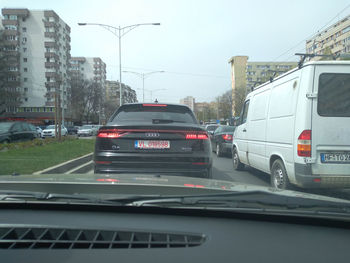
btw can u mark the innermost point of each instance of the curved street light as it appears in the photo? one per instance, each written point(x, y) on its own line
point(119, 32)
point(143, 76)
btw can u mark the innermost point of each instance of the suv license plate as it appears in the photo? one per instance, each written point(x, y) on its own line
point(142, 144)
point(335, 157)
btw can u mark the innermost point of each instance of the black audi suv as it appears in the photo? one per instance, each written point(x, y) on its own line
point(155, 138)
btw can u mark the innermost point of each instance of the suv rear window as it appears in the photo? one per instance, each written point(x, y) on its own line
point(138, 112)
point(334, 95)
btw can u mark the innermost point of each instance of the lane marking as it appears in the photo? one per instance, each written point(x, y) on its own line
point(61, 164)
point(77, 168)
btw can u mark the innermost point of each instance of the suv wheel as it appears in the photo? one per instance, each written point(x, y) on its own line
point(279, 177)
point(237, 165)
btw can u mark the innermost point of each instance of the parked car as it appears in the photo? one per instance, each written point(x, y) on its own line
point(87, 130)
point(16, 131)
point(221, 140)
point(50, 131)
point(155, 138)
point(296, 128)
point(39, 131)
point(72, 130)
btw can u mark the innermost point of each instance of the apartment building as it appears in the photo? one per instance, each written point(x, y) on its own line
point(189, 101)
point(112, 93)
point(335, 40)
point(38, 43)
point(92, 68)
point(246, 75)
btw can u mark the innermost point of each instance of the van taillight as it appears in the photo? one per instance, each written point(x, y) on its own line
point(304, 144)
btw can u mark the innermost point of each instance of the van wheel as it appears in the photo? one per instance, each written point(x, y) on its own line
point(279, 177)
point(218, 150)
point(237, 165)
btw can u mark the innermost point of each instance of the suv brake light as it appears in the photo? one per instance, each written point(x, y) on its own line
point(304, 144)
point(112, 133)
point(227, 137)
point(197, 136)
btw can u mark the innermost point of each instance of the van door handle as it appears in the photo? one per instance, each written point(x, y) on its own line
point(244, 130)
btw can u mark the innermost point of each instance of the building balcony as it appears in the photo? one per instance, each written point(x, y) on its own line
point(52, 85)
point(9, 22)
point(12, 83)
point(9, 32)
point(51, 44)
point(53, 35)
point(15, 11)
point(11, 42)
point(54, 75)
point(51, 55)
point(52, 65)
point(51, 24)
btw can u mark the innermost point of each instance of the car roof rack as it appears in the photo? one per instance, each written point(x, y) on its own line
point(303, 56)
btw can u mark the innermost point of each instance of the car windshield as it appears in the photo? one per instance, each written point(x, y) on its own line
point(5, 126)
point(161, 98)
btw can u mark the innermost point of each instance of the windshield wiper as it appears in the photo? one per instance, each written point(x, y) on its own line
point(248, 199)
point(44, 196)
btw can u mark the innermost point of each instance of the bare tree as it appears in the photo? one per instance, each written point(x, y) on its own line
point(86, 96)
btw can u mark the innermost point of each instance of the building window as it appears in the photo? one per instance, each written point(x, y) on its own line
point(24, 29)
point(25, 89)
point(13, 17)
point(24, 40)
point(11, 27)
point(25, 69)
point(23, 19)
point(24, 49)
point(25, 79)
point(25, 60)
point(25, 99)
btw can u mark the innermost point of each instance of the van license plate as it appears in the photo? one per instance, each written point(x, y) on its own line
point(335, 157)
point(145, 144)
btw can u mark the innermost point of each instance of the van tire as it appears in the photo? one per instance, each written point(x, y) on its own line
point(237, 165)
point(279, 177)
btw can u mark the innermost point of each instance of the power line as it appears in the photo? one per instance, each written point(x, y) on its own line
point(326, 25)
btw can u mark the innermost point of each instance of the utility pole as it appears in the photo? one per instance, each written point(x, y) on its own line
point(56, 112)
point(59, 118)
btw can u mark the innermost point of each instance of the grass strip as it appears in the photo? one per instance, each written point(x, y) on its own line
point(36, 158)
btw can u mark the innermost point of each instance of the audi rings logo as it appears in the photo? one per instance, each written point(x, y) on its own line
point(152, 134)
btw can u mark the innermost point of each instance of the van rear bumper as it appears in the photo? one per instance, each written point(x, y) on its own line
point(305, 178)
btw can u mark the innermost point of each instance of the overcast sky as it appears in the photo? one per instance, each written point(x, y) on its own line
point(195, 40)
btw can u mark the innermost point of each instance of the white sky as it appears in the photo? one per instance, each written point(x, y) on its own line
point(195, 40)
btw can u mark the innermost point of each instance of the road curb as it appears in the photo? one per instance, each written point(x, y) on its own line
point(66, 166)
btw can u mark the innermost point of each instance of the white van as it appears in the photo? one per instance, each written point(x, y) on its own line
point(297, 127)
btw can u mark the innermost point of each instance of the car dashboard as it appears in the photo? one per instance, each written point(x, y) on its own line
point(83, 233)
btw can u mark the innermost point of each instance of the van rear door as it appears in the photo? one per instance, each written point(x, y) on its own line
point(331, 120)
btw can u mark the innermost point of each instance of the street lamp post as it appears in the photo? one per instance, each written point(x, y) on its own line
point(143, 76)
point(119, 32)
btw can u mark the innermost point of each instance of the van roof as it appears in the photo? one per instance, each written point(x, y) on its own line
point(310, 63)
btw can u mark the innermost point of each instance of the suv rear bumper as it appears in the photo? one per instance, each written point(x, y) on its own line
point(305, 178)
point(173, 164)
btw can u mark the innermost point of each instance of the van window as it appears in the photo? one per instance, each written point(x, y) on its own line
point(245, 112)
point(334, 95)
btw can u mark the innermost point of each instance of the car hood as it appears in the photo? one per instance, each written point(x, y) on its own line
point(138, 184)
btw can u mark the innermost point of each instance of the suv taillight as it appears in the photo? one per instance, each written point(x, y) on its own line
point(304, 144)
point(110, 133)
point(197, 136)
